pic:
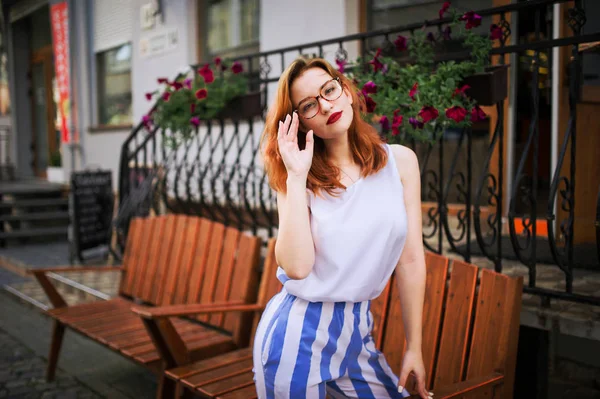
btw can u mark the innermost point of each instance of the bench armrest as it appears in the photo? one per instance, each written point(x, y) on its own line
point(195, 309)
point(75, 269)
point(471, 387)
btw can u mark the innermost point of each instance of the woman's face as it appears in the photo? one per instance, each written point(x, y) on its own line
point(333, 117)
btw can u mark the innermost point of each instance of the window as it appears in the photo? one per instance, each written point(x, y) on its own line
point(113, 68)
point(231, 28)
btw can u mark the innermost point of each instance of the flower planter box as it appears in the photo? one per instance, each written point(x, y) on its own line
point(489, 87)
point(243, 107)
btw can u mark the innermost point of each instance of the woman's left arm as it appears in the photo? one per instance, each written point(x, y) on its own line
point(410, 271)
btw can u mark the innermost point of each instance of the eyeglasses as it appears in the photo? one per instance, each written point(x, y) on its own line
point(330, 91)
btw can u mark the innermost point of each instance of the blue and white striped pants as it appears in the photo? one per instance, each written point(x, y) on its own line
point(309, 349)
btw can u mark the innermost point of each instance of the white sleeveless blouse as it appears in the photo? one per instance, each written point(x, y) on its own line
point(358, 237)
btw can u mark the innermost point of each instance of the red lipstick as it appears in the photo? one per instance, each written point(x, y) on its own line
point(334, 117)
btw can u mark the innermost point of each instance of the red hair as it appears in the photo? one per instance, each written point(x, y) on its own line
point(365, 143)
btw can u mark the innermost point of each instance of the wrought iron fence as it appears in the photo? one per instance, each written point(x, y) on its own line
point(468, 207)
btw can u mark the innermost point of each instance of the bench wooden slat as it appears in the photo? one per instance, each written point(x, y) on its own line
point(225, 386)
point(210, 364)
point(213, 262)
point(379, 307)
point(246, 393)
point(225, 276)
point(132, 254)
point(166, 289)
point(146, 264)
point(244, 287)
point(178, 291)
point(224, 372)
point(193, 283)
point(154, 283)
point(457, 324)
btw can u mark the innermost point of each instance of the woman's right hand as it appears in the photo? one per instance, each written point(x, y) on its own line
point(297, 162)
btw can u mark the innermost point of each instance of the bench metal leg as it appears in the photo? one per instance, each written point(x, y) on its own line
point(58, 332)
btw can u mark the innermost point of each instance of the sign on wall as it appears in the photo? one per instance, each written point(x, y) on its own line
point(59, 18)
point(159, 43)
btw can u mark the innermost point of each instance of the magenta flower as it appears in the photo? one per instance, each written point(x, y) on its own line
point(177, 86)
point(461, 91)
point(369, 87)
point(400, 43)
point(417, 124)
point(473, 20)
point(192, 108)
point(236, 68)
point(396, 122)
point(370, 104)
point(206, 73)
point(385, 123)
point(477, 114)
point(149, 96)
point(201, 94)
point(188, 83)
point(414, 91)
point(431, 37)
point(341, 64)
point(218, 61)
point(162, 80)
point(495, 32)
point(147, 121)
point(377, 65)
point(444, 8)
point(456, 113)
point(194, 120)
point(166, 95)
point(428, 113)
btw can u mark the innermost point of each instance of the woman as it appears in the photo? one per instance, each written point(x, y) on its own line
point(349, 215)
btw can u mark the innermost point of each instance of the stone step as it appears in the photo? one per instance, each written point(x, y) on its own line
point(24, 203)
point(33, 216)
point(35, 232)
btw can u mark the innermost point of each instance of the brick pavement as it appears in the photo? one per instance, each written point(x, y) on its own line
point(22, 375)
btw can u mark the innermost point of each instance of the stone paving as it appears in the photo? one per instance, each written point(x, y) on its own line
point(22, 375)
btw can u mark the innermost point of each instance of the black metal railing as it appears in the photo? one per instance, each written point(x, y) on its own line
point(468, 207)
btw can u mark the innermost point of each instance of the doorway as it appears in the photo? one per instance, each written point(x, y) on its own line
point(45, 140)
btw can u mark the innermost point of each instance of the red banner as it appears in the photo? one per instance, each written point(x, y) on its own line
point(60, 38)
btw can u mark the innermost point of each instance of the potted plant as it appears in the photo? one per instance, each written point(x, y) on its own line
point(410, 94)
point(54, 171)
point(216, 90)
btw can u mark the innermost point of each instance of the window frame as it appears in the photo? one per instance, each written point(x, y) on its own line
point(99, 92)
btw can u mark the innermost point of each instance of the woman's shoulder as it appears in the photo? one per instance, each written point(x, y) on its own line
point(406, 159)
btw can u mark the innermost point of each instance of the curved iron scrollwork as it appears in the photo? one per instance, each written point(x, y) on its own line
point(431, 183)
point(493, 199)
point(463, 187)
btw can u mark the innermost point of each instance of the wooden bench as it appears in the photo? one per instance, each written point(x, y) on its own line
point(470, 331)
point(230, 376)
point(168, 260)
point(470, 334)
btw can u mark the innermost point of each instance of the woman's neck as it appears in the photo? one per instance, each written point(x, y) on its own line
point(338, 151)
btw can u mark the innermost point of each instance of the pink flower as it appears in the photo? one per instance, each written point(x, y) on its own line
point(192, 108)
point(341, 64)
point(188, 83)
point(414, 91)
point(456, 113)
point(384, 122)
point(369, 87)
point(428, 113)
point(166, 95)
point(177, 86)
point(417, 124)
point(396, 122)
point(444, 8)
point(194, 120)
point(162, 80)
point(149, 96)
point(370, 104)
point(477, 114)
point(217, 61)
point(473, 20)
point(201, 94)
point(461, 91)
point(495, 32)
point(206, 73)
point(400, 43)
point(377, 65)
point(236, 67)
point(147, 121)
